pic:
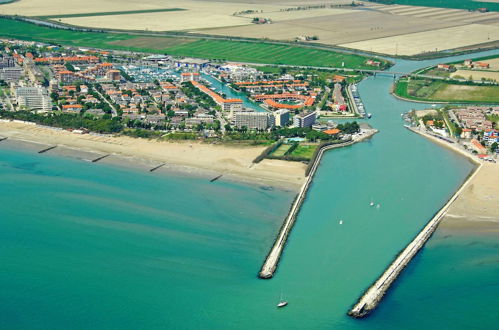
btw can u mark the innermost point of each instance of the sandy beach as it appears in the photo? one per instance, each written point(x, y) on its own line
point(477, 208)
point(193, 158)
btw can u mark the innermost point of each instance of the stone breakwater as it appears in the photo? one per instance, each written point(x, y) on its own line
point(270, 265)
point(374, 294)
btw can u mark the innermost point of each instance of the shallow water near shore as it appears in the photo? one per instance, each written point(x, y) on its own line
point(93, 246)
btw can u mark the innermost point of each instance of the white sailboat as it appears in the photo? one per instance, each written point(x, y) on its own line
point(282, 302)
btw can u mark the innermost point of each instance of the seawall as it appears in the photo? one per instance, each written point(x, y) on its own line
point(374, 294)
point(270, 265)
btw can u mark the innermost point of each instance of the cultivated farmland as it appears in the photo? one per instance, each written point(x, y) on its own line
point(390, 29)
point(254, 52)
point(430, 41)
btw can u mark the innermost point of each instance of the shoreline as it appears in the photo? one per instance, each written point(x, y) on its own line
point(187, 158)
point(374, 294)
point(452, 147)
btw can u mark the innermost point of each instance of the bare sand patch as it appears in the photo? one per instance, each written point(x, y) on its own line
point(430, 41)
point(477, 209)
point(236, 161)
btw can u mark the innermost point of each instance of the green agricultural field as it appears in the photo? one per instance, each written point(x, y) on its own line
point(110, 13)
point(265, 53)
point(256, 52)
point(305, 151)
point(457, 4)
point(440, 91)
point(283, 148)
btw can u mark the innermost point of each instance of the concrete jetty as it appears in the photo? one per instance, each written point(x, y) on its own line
point(157, 167)
point(270, 265)
point(99, 158)
point(46, 149)
point(373, 296)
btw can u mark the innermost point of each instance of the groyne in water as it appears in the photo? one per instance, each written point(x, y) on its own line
point(99, 158)
point(270, 265)
point(374, 294)
point(47, 149)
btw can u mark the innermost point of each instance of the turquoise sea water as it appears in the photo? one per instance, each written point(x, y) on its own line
point(93, 246)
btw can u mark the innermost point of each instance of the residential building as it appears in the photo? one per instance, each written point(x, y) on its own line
point(305, 120)
point(113, 75)
point(189, 76)
point(478, 147)
point(35, 98)
point(11, 74)
point(7, 62)
point(281, 117)
point(253, 120)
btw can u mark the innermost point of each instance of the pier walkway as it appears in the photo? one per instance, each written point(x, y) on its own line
point(372, 297)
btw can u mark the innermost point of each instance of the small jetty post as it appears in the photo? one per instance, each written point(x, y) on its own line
point(100, 158)
point(46, 149)
point(157, 167)
point(374, 294)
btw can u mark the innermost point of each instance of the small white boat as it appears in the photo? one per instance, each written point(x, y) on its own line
point(341, 222)
point(282, 302)
point(372, 203)
point(378, 206)
point(369, 115)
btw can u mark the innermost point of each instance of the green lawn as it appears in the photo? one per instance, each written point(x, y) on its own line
point(440, 91)
point(279, 152)
point(109, 13)
point(305, 151)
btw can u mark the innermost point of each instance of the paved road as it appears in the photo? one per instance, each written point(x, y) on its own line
point(113, 109)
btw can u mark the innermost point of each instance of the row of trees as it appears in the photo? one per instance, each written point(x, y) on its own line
point(67, 120)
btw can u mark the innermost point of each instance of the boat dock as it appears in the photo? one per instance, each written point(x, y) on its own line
point(373, 296)
point(270, 265)
point(355, 101)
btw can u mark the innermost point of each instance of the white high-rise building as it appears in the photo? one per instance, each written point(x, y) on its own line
point(281, 117)
point(305, 120)
point(35, 98)
point(253, 120)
